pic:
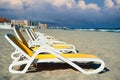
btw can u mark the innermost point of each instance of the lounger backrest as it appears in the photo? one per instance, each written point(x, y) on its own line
point(19, 35)
point(32, 33)
point(18, 44)
point(34, 29)
point(29, 34)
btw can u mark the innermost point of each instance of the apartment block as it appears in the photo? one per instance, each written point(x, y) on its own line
point(2, 20)
point(43, 26)
point(23, 23)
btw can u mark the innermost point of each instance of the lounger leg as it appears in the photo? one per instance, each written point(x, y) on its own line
point(81, 69)
point(17, 62)
point(16, 52)
point(57, 54)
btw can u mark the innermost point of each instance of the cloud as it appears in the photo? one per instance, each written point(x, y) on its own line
point(58, 3)
point(11, 4)
point(82, 5)
point(109, 3)
point(70, 4)
point(118, 2)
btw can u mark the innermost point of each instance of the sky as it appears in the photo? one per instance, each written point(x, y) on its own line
point(73, 13)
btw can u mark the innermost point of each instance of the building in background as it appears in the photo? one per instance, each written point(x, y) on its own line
point(2, 20)
point(43, 26)
point(23, 23)
point(5, 23)
point(34, 23)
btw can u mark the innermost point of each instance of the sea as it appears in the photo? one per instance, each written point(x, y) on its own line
point(117, 30)
point(98, 30)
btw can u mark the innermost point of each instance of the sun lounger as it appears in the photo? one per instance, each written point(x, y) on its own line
point(46, 38)
point(60, 47)
point(52, 42)
point(52, 55)
point(36, 34)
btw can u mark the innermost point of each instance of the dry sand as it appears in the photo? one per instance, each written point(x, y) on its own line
point(105, 45)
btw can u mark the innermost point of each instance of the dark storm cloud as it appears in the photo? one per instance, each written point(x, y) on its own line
point(64, 12)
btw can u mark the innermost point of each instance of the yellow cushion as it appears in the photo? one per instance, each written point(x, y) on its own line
point(48, 56)
point(70, 55)
point(62, 46)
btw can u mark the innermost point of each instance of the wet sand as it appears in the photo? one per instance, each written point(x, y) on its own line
point(105, 45)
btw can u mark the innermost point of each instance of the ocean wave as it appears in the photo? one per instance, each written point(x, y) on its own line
point(98, 30)
point(109, 30)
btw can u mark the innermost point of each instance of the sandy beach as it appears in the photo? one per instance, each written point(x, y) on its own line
point(105, 45)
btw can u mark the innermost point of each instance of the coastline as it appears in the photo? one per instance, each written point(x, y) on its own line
point(105, 45)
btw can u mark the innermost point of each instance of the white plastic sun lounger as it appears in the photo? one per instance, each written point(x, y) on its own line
point(52, 56)
point(37, 34)
point(60, 47)
point(48, 39)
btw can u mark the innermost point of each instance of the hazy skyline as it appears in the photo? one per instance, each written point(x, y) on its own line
point(68, 12)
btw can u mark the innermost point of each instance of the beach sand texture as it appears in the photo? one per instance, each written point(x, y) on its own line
point(105, 45)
